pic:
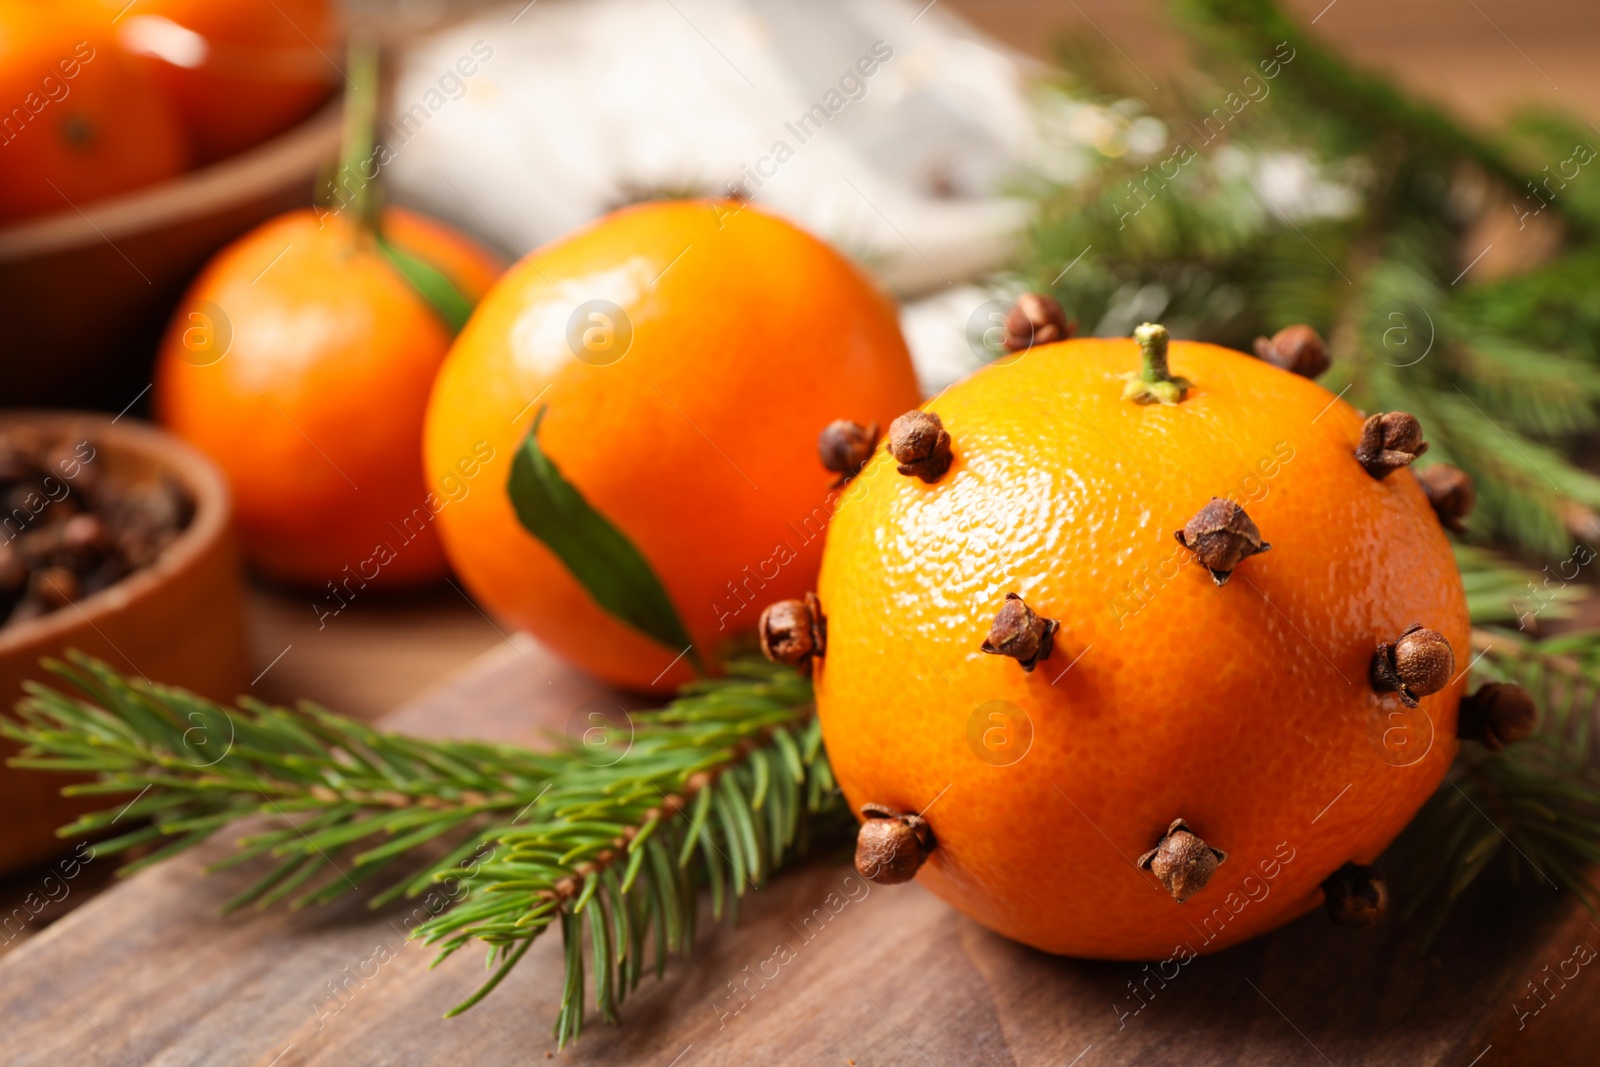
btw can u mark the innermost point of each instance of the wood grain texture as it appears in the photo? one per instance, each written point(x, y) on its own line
point(148, 974)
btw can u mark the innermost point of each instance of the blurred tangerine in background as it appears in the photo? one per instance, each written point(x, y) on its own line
point(236, 71)
point(301, 362)
point(78, 120)
point(99, 97)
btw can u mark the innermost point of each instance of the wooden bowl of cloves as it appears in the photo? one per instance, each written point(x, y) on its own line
point(116, 540)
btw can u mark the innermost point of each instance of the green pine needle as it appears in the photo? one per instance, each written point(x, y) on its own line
point(719, 788)
point(1502, 592)
point(1166, 217)
point(1533, 809)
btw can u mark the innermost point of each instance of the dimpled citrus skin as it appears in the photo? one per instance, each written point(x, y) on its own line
point(1245, 710)
point(748, 337)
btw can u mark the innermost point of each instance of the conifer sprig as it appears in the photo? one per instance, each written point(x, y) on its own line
point(332, 783)
point(1502, 592)
point(718, 788)
point(1532, 809)
point(1276, 184)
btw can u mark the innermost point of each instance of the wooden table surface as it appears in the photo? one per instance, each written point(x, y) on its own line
point(369, 659)
point(148, 973)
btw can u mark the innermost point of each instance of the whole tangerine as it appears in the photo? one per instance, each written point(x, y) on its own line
point(236, 71)
point(1140, 660)
point(301, 361)
point(686, 356)
point(80, 122)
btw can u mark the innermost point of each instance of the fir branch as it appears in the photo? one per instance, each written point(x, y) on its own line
point(1247, 30)
point(1366, 245)
point(707, 800)
point(1500, 591)
point(1532, 809)
point(194, 766)
point(719, 788)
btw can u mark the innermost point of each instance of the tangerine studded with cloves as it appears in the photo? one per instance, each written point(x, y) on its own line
point(1245, 709)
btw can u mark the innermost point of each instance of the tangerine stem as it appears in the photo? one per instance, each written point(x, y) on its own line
point(1153, 383)
point(357, 162)
point(1152, 340)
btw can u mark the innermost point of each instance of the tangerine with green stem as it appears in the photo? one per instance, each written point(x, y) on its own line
point(686, 356)
point(301, 361)
point(1208, 732)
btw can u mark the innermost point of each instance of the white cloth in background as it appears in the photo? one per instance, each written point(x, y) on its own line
point(572, 107)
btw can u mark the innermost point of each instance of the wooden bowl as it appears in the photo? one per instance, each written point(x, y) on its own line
point(85, 295)
point(178, 621)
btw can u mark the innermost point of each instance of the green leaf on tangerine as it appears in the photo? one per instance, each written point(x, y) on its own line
point(430, 283)
point(597, 554)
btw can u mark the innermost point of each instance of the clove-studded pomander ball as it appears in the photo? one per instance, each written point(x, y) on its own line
point(1228, 736)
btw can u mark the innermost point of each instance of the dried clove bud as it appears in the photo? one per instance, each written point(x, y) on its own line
point(1419, 663)
point(919, 443)
point(55, 587)
point(844, 447)
point(1182, 861)
point(1036, 319)
point(1356, 895)
point(66, 459)
point(794, 632)
point(1498, 714)
point(13, 569)
point(1221, 536)
point(1019, 633)
point(21, 453)
point(1388, 442)
point(1298, 349)
point(1451, 493)
point(891, 845)
point(16, 463)
point(84, 533)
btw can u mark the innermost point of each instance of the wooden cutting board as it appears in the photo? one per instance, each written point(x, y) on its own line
point(822, 969)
